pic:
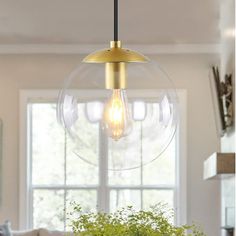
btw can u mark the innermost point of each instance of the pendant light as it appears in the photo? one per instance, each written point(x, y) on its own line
point(117, 121)
point(115, 105)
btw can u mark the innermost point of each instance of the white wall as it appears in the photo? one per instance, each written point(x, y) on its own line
point(47, 71)
point(191, 72)
point(227, 15)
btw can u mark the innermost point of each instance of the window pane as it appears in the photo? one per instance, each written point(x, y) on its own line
point(79, 172)
point(153, 197)
point(47, 146)
point(126, 177)
point(125, 153)
point(162, 170)
point(120, 154)
point(86, 198)
point(154, 135)
point(122, 198)
point(85, 146)
point(48, 209)
point(86, 143)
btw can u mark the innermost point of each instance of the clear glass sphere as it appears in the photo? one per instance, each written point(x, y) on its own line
point(150, 108)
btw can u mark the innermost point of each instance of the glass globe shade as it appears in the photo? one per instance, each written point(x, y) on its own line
point(152, 104)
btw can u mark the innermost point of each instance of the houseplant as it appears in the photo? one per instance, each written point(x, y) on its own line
point(128, 222)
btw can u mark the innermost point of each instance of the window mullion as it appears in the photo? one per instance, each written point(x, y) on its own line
point(177, 169)
point(30, 216)
point(65, 176)
point(141, 166)
point(103, 190)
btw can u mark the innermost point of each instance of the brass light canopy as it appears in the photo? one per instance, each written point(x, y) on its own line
point(115, 59)
point(115, 54)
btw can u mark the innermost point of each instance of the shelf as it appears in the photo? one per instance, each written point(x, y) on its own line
point(219, 165)
point(229, 229)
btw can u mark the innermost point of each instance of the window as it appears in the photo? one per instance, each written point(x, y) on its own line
point(57, 175)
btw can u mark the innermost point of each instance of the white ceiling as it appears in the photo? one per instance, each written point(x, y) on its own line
point(91, 21)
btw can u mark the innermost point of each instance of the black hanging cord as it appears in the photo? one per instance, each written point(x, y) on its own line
point(115, 20)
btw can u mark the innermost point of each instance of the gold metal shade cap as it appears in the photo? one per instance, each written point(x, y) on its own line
point(115, 54)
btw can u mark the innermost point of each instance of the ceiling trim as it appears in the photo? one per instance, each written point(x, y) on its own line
point(149, 49)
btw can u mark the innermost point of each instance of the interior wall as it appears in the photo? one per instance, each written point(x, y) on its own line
point(227, 14)
point(188, 72)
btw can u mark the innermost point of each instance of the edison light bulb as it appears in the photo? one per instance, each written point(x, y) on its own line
point(116, 117)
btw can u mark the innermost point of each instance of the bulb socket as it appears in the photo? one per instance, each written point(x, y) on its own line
point(116, 75)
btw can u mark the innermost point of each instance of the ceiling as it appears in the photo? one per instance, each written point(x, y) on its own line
point(91, 21)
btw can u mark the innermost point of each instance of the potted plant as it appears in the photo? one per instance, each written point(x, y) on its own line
point(128, 222)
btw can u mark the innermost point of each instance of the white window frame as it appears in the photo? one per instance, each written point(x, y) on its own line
point(27, 96)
